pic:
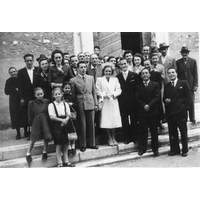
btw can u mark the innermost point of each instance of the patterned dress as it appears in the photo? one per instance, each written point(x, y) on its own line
point(39, 119)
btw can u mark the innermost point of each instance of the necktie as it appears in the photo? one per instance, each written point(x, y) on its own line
point(145, 84)
point(125, 76)
point(83, 77)
point(173, 84)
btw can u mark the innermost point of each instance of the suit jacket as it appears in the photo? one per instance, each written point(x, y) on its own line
point(180, 96)
point(188, 72)
point(85, 92)
point(70, 74)
point(91, 72)
point(128, 87)
point(169, 62)
point(26, 88)
point(149, 95)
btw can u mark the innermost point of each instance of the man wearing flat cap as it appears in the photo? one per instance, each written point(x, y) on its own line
point(165, 60)
point(187, 70)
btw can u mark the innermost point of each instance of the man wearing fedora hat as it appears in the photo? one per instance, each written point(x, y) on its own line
point(187, 70)
point(165, 60)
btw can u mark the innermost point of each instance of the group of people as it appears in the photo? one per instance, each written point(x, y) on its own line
point(136, 92)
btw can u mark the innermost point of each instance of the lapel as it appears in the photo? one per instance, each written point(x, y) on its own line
point(187, 64)
point(147, 89)
point(34, 75)
point(80, 81)
point(174, 91)
point(107, 84)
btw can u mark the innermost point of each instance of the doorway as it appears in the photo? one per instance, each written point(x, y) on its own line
point(132, 41)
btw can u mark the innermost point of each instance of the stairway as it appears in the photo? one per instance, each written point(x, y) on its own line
point(14, 156)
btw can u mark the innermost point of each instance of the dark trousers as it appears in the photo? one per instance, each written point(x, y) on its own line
point(129, 124)
point(174, 122)
point(144, 124)
point(85, 120)
point(191, 110)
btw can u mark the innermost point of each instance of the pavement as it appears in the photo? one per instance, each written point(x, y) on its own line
point(12, 152)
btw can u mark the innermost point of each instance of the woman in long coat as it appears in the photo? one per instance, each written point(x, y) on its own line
point(17, 113)
point(108, 89)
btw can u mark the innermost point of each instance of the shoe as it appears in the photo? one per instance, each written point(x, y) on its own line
point(73, 152)
point(184, 154)
point(68, 164)
point(28, 158)
point(93, 147)
point(115, 143)
point(140, 153)
point(60, 165)
point(83, 149)
point(171, 153)
point(193, 121)
point(110, 143)
point(44, 156)
point(18, 137)
point(127, 142)
point(155, 153)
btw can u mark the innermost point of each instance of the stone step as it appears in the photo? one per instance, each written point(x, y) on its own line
point(90, 154)
point(19, 151)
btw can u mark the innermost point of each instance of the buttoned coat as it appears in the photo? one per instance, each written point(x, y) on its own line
point(85, 92)
point(188, 72)
point(180, 96)
point(128, 87)
point(110, 114)
point(26, 88)
point(149, 95)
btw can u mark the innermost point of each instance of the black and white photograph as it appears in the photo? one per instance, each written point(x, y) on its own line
point(104, 105)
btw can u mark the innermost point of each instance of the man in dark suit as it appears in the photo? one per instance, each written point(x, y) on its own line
point(83, 87)
point(147, 98)
point(177, 99)
point(72, 70)
point(128, 81)
point(187, 70)
point(26, 83)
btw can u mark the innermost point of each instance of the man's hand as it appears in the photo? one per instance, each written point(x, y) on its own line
point(96, 108)
point(195, 88)
point(22, 102)
point(167, 101)
point(146, 108)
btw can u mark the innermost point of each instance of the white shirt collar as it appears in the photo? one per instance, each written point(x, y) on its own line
point(175, 81)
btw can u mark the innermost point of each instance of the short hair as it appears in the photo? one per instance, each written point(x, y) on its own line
point(66, 83)
point(53, 54)
point(145, 68)
point(105, 66)
point(11, 68)
point(110, 58)
point(55, 89)
point(37, 89)
point(81, 62)
point(154, 54)
point(72, 56)
point(121, 58)
point(172, 68)
point(80, 53)
point(146, 46)
point(28, 55)
point(96, 47)
point(64, 54)
point(127, 52)
point(87, 52)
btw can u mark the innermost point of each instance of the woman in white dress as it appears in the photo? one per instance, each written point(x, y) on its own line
point(108, 89)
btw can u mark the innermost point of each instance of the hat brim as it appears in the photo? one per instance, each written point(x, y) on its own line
point(185, 51)
point(164, 47)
